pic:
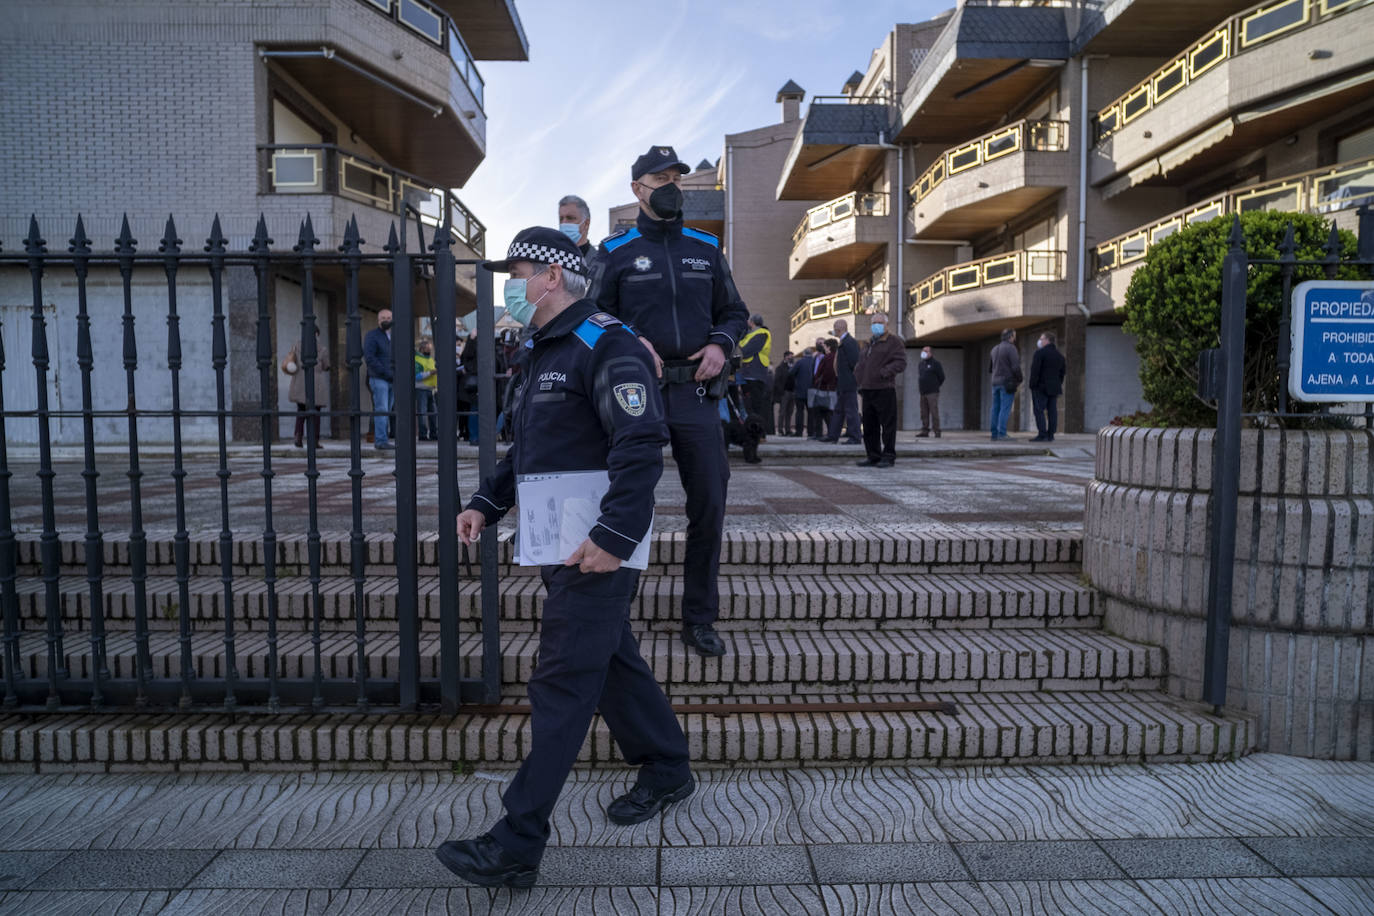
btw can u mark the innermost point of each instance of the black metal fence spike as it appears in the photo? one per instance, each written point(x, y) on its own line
point(1365, 225)
point(261, 241)
point(350, 237)
point(306, 241)
point(1236, 240)
point(392, 244)
point(80, 242)
point(170, 244)
point(35, 243)
point(1333, 244)
point(215, 244)
point(443, 236)
point(126, 242)
point(1288, 247)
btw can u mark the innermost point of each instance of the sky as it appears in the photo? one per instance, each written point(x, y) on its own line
point(607, 79)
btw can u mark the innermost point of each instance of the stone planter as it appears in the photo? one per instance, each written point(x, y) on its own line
point(1302, 637)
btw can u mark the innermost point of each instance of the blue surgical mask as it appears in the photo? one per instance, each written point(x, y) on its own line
point(519, 307)
point(878, 329)
point(571, 230)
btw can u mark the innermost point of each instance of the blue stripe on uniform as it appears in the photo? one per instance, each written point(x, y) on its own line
point(589, 334)
point(611, 244)
point(700, 236)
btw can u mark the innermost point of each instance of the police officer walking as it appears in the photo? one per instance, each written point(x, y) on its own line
point(590, 402)
point(673, 286)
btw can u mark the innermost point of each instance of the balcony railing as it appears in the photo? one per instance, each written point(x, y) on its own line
point(873, 204)
point(438, 28)
point(1235, 36)
point(1038, 136)
point(846, 303)
point(1340, 187)
point(327, 169)
point(1032, 265)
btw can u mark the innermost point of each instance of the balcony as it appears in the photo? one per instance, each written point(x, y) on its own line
point(413, 90)
point(986, 61)
point(1220, 95)
point(990, 180)
point(492, 28)
point(977, 298)
point(1335, 191)
point(824, 309)
point(837, 144)
point(836, 238)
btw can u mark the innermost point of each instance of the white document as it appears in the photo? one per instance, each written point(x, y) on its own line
point(558, 511)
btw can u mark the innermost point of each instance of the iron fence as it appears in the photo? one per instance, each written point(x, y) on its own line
point(54, 684)
point(1221, 377)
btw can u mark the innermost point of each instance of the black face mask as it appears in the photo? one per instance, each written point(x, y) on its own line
point(384, 325)
point(666, 202)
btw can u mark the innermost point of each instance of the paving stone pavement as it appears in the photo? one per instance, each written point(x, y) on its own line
point(962, 480)
point(1264, 834)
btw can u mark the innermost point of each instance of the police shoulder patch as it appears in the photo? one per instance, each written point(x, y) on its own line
point(632, 398)
point(603, 320)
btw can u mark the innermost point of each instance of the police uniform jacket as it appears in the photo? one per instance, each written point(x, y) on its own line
point(672, 285)
point(589, 402)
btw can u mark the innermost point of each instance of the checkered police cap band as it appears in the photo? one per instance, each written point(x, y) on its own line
point(546, 254)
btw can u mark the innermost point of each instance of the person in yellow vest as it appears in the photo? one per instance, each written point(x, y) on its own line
point(426, 386)
point(756, 352)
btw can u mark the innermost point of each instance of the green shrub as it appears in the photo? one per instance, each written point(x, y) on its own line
point(1173, 307)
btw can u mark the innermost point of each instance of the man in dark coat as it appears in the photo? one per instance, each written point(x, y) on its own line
point(930, 375)
point(1046, 385)
point(883, 359)
point(803, 368)
point(846, 416)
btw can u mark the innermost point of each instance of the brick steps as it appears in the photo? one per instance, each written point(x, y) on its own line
point(932, 601)
point(753, 552)
point(840, 663)
point(1020, 728)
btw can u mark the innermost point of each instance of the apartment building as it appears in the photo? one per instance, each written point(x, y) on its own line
point(1032, 153)
point(733, 199)
point(337, 109)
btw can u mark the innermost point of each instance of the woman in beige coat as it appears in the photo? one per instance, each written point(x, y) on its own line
point(292, 367)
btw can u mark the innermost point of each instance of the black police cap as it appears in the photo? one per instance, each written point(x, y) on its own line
point(657, 159)
point(542, 245)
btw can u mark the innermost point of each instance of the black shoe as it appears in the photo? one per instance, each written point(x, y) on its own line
point(704, 638)
point(924, 434)
point(886, 463)
point(640, 803)
point(853, 442)
point(830, 440)
point(385, 447)
point(485, 862)
point(1040, 438)
point(868, 463)
point(937, 434)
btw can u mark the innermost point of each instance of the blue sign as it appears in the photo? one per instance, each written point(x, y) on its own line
point(1333, 341)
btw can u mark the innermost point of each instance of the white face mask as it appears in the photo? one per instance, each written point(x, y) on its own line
point(1040, 343)
point(925, 355)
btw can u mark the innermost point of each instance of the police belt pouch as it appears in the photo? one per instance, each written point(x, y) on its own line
point(558, 511)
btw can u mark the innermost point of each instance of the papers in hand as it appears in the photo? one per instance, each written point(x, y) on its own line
point(558, 511)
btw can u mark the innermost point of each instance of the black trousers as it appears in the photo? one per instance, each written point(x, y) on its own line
point(845, 419)
point(588, 661)
point(801, 424)
point(756, 402)
point(1045, 409)
point(880, 423)
point(699, 452)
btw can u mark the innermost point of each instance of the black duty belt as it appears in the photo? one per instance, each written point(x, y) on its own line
point(680, 371)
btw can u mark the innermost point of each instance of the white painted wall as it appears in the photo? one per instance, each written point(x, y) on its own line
point(1112, 374)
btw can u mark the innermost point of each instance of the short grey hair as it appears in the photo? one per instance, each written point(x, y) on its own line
point(575, 284)
point(577, 202)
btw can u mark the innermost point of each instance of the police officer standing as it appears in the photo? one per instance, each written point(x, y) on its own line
point(672, 285)
point(590, 402)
